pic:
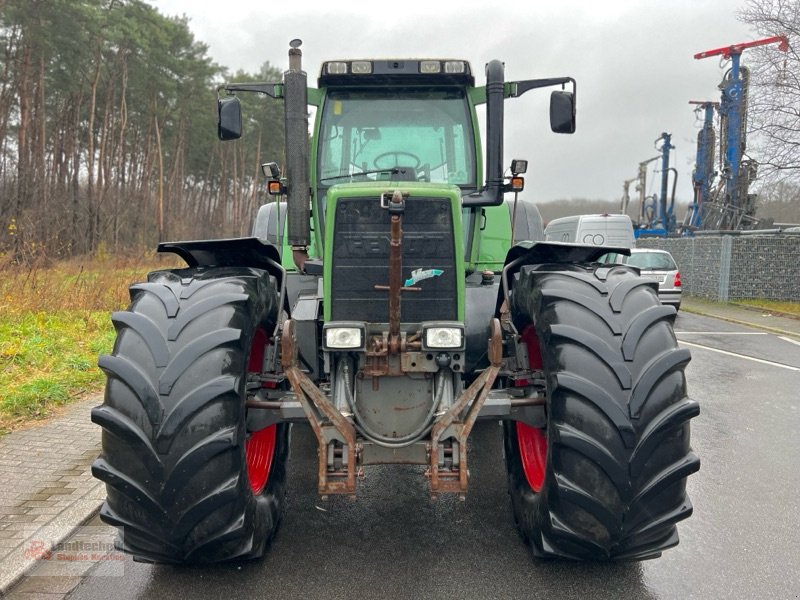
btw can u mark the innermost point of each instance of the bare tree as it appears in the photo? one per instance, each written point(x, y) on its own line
point(774, 94)
point(107, 128)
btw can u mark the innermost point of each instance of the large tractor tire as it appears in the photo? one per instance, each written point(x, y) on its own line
point(606, 479)
point(186, 482)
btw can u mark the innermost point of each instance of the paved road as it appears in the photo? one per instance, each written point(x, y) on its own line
point(394, 542)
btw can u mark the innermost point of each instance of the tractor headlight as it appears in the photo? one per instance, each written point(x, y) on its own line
point(430, 66)
point(444, 337)
point(344, 337)
point(361, 67)
point(336, 68)
point(455, 66)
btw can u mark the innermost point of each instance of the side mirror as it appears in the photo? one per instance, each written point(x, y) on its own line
point(229, 119)
point(562, 112)
point(271, 170)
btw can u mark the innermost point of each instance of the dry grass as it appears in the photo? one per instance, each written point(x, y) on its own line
point(77, 284)
point(777, 306)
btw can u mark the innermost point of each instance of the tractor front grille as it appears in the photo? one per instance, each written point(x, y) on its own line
point(361, 260)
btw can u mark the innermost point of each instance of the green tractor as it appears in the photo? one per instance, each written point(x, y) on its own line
point(393, 299)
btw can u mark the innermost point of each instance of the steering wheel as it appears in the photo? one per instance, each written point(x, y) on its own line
point(397, 154)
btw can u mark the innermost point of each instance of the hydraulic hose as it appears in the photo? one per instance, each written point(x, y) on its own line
point(343, 372)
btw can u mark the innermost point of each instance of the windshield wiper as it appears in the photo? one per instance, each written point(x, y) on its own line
point(392, 171)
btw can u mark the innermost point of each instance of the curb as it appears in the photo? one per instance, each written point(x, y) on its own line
point(15, 566)
point(776, 313)
point(702, 313)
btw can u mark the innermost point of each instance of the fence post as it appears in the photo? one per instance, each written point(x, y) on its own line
point(725, 252)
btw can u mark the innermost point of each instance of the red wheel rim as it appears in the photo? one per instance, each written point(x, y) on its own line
point(534, 349)
point(259, 450)
point(260, 446)
point(533, 452)
point(532, 441)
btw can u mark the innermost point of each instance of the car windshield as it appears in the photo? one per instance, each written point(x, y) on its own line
point(370, 132)
point(656, 261)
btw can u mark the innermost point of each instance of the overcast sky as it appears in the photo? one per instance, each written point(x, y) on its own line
point(633, 61)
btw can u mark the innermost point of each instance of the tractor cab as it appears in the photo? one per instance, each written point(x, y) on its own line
point(397, 120)
point(422, 131)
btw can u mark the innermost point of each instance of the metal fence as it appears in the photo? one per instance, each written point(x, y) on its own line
point(734, 267)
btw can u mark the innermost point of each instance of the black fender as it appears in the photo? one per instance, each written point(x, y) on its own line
point(537, 253)
point(232, 252)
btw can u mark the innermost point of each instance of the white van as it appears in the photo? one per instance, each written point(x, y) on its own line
point(593, 230)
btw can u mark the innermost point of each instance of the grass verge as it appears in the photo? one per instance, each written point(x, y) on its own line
point(776, 306)
point(48, 359)
point(54, 322)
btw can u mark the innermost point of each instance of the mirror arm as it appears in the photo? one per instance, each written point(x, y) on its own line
point(517, 88)
point(273, 90)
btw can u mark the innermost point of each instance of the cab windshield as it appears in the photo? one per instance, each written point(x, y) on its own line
point(368, 134)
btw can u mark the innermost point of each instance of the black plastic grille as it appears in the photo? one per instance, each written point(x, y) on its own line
point(361, 260)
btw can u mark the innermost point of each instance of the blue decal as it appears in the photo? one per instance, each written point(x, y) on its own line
point(418, 275)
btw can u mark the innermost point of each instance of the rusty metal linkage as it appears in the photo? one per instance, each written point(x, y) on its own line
point(456, 480)
point(396, 207)
point(327, 423)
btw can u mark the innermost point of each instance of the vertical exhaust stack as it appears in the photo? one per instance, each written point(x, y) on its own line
point(295, 99)
point(492, 192)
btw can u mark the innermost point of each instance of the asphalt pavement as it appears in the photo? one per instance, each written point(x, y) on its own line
point(750, 316)
point(46, 492)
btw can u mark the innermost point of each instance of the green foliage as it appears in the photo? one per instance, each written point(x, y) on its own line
point(47, 359)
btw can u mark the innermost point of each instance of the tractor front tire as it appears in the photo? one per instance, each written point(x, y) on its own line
point(185, 481)
point(606, 479)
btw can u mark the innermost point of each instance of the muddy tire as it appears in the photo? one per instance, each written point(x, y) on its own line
point(606, 480)
point(185, 481)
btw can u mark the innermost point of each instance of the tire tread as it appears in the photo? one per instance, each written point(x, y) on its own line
point(617, 409)
point(173, 442)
